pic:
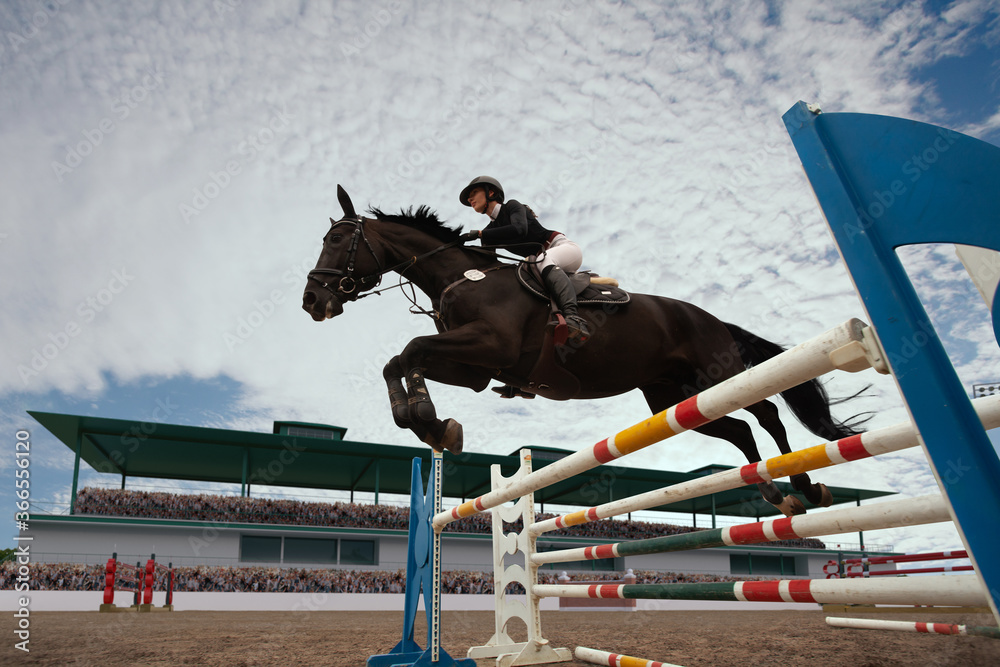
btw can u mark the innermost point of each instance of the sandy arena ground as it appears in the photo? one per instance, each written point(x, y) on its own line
point(342, 639)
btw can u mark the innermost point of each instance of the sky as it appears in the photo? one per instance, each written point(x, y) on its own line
point(169, 169)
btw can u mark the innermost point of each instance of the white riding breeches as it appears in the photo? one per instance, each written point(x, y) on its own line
point(562, 253)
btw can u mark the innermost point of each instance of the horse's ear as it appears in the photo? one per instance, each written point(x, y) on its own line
point(345, 203)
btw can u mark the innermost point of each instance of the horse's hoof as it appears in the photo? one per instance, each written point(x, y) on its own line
point(826, 498)
point(449, 436)
point(453, 439)
point(791, 506)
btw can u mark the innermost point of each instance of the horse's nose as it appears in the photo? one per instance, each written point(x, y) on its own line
point(309, 299)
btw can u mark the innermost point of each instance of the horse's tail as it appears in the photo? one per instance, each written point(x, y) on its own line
point(808, 401)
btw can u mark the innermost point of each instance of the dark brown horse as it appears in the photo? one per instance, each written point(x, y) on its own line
point(490, 327)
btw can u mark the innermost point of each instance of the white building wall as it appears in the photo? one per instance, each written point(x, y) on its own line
point(195, 543)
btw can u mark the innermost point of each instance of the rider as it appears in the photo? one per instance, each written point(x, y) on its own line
point(514, 227)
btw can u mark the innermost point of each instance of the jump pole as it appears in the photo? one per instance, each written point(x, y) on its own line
point(872, 443)
point(907, 558)
point(845, 347)
point(910, 626)
point(613, 659)
point(509, 652)
point(423, 578)
point(957, 590)
point(896, 513)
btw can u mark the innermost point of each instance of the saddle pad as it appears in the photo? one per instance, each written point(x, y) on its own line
point(586, 292)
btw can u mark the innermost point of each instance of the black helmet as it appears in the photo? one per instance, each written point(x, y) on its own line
point(489, 183)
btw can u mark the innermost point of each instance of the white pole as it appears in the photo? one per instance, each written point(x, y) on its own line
point(960, 590)
point(616, 660)
point(872, 443)
point(909, 626)
point(892, 514)
point(792, 367)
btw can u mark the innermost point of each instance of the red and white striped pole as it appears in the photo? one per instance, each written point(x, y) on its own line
point(907, 626)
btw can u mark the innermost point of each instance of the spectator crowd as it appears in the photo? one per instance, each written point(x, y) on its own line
point(238, 509)
point(75, 577)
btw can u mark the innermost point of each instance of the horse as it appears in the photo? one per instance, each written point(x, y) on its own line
point(491, 328)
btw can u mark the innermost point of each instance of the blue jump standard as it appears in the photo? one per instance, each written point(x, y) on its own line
point(419, 574)
point(883, 183)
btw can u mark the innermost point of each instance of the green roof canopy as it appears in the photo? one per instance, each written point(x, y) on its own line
point(316, 456)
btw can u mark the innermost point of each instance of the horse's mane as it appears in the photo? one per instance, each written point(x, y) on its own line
point(424, 219)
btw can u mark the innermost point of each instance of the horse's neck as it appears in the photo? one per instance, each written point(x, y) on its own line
point(433, 273)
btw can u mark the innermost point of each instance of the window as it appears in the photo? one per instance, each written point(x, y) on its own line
point(260, 549)
point(306, 550)
point(357, 552)
point(760, 564)
point(296, 431)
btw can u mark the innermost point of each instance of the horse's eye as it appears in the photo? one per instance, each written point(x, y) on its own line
point(336, 238)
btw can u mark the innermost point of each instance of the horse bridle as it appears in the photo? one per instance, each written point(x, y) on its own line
point(347, 286)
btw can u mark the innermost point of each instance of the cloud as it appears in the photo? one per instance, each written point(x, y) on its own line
point(206, 144)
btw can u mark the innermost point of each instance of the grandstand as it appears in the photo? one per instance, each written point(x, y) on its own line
point(209, 530)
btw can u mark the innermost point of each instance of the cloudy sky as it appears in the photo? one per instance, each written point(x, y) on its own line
point(169, 168)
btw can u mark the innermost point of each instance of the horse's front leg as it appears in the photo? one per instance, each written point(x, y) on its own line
point(398, 400)
point(459, 357)
point(412, 409)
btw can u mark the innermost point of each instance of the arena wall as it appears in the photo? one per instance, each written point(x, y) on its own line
point(193, 543)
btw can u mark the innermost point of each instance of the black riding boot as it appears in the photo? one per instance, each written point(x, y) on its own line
point(559, 288)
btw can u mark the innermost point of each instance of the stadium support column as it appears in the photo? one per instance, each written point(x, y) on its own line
point(76, 472)
point(861, 533)
point(245, 485)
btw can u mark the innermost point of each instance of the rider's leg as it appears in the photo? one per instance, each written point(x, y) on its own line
point(562, 257)
point(561, 290)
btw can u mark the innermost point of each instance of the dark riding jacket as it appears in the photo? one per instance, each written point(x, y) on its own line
point(516, 230)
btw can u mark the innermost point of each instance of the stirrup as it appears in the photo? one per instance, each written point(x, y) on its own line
point(510, 391)
point(578, 329)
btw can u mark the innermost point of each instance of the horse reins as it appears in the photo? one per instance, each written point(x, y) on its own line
point(347, 285)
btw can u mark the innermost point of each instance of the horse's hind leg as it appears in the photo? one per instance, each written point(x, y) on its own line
point(739, 433)
point(767, 415)
point(660, 397)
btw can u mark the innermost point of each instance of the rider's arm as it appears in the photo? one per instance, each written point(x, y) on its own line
point(514, 231)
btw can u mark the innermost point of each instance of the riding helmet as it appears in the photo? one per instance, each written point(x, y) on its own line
point(482, 181)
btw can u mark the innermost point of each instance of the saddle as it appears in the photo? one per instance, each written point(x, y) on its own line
point(549, 377)
point(590, 288)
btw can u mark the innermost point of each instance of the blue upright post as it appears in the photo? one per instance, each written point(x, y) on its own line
point(883, 183)
point(422, 546)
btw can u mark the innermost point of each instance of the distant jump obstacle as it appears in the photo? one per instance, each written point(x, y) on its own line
point(140, 581)
point(908, 626)
point(861, 567)
point(853, 161)
point(572, 603)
